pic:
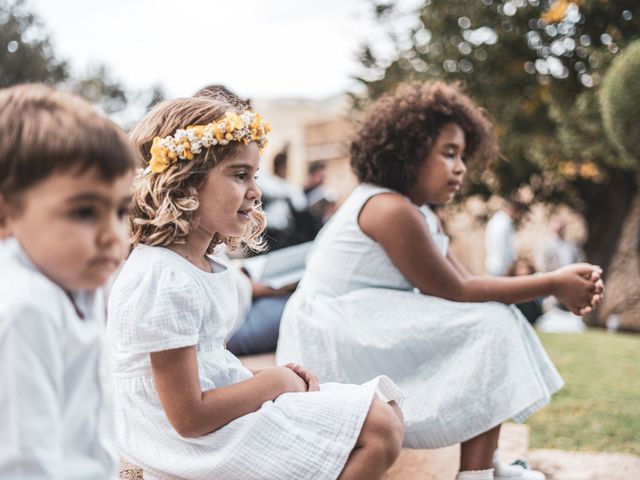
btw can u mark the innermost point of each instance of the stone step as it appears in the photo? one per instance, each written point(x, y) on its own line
point(564, 465)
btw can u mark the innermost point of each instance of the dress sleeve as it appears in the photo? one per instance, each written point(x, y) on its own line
point(157, 309)
point(31, 396)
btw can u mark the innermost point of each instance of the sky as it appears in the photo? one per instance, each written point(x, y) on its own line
point(259, 48)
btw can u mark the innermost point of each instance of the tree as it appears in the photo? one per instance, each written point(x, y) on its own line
point(620, 102)
point(26, 55)
point(534, 65)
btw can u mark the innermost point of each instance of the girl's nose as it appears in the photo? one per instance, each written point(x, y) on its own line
point(460, 166)
point(254, 192)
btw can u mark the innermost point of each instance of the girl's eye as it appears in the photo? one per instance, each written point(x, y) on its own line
point(83, 214)
point(241, 176)
point(123, 212)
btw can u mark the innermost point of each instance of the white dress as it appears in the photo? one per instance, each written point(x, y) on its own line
point(160, 301)
point(56, 401)
point(464, 367)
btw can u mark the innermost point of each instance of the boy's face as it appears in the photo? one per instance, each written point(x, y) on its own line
point(73, 226)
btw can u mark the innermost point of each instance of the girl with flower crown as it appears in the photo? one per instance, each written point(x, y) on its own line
point(186, 407)
point(382, 294)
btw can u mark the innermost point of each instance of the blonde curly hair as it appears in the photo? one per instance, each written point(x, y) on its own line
point(164, 204)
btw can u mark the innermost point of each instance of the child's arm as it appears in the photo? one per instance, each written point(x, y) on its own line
point(194, 413)
point(31, 377)
point(457, 264)
point(396, 224)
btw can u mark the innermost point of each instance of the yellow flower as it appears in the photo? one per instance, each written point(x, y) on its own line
point(198, 130)
point(159, 161)
point(218, 131)
point(234, 121)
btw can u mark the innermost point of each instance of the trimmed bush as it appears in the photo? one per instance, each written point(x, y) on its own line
point(620, 102)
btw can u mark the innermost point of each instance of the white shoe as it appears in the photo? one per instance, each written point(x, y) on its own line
point(518, 471)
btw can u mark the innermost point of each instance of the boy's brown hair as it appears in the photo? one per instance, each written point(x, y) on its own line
point(43, 130)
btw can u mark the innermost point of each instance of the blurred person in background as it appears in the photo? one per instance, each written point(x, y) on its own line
point(499, 245)
point(557, 251)
point(321, 200)
point(532, 309)
point(285, 205)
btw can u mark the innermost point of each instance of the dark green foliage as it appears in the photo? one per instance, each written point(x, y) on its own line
point(620, 102)
point(536, 66)
point(26, 54)
point(536, 78)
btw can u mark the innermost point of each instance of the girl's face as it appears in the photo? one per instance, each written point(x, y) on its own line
point(441, 173)
point(230, 194)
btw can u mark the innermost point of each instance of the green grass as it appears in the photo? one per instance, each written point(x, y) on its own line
point(599, 407)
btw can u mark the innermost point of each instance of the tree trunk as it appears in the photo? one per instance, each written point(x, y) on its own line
point(605, 214)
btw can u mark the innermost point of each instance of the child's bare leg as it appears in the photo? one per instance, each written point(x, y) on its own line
point(477, 453)
point(378, 445)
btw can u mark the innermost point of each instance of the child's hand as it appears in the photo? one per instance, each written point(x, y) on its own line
point(579, 287)
point(597, 295)
point(289, 381)
point(310, 379)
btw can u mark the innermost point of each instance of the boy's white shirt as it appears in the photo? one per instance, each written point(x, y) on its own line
point(56, 406)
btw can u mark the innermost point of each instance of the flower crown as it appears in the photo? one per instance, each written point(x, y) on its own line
point(185, 143)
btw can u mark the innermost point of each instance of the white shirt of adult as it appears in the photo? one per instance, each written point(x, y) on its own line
point(499, 248)
point(56, 408)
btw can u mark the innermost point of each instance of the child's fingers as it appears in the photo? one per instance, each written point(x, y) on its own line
point(583, 311)
point(314, 384)
point(311, 380)
point(595, 276)
point(600, 287)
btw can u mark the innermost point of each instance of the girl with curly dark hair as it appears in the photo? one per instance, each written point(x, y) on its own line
point(382, 294)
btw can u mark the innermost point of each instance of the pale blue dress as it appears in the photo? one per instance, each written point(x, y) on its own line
point(464, 367)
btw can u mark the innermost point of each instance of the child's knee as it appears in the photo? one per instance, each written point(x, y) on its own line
point(384, 429)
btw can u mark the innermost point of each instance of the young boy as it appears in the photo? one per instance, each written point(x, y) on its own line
point(64, 196)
